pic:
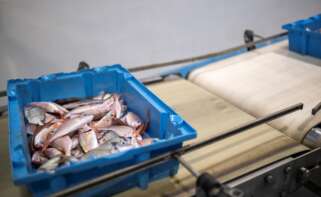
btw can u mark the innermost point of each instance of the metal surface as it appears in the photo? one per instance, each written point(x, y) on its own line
point(287, 176)
point(313, 138)
point(201, 57)
point(170, 155)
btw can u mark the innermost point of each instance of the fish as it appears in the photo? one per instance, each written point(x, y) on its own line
point(97, 110)
point(77, 152)
point(51, 164)
point(88, 140)
point(42, 136)
point(35, 115)
point(50, 107)
point(75, 141)
point(146, 141)
point(103, 150)
point(52, 152)
point(31, 129)
point(111, 137)
point(49, 118)
point(131, 120)
point(64, 144)
point(102, 96)
point(105, 121)
point(76, 104)
point(38, 158)
point(122, 131)
point(81, 129)
point(140, 130)
point(118, 106)
point(69, 126)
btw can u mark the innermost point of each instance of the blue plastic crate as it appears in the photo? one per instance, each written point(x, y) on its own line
point(165, 124)
point(305, 36)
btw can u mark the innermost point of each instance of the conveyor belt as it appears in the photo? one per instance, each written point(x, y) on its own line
point(232, 157)
point(267, 79)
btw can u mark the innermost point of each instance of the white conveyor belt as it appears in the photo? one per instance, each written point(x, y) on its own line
point(265, 80)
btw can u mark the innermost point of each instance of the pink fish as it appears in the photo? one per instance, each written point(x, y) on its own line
point(76, 104)
point(69, 126)
point(49, 118)
point(38, 158)
point(146, 141)
point(122, 131)
point(50, 107)
point(64, 144)
point(131, 120)
point(77, 152)
point(75, 141)
point(42, 136)
point(105, 121)
point(52, 152)
point(97, 110)
point(88, 140)
point(118, 106)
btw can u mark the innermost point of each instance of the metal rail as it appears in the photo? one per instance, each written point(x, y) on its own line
point(171, 155)
point(190, 59)
point(208, 55)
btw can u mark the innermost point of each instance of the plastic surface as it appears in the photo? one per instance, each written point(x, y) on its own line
point(165, 124)
point(305, 36)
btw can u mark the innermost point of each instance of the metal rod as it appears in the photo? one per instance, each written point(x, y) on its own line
point(195, 58)
point(201, 57)
point(187, 166)
point(170, 155)
point(247, 126)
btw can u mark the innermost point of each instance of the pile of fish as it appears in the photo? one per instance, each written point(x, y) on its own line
point(71, 130)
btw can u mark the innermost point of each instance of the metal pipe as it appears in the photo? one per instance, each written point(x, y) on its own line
point(171, 155)
point(247, 126)
point(313, 138)
point(187, 166)
point(201, 57)
point(195, 58)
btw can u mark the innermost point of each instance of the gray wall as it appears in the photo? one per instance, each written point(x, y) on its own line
point(39, 37)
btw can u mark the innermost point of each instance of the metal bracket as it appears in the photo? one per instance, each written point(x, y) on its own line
point(284, 177)
point(248, 37)
point(311, 178)
point(83, 66)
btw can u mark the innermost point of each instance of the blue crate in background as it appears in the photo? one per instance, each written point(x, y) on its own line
point(305, 36)
point(165, 124)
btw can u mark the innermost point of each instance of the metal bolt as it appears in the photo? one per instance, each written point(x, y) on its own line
point(305, 172)
point(269, 179)
point(287, 170)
